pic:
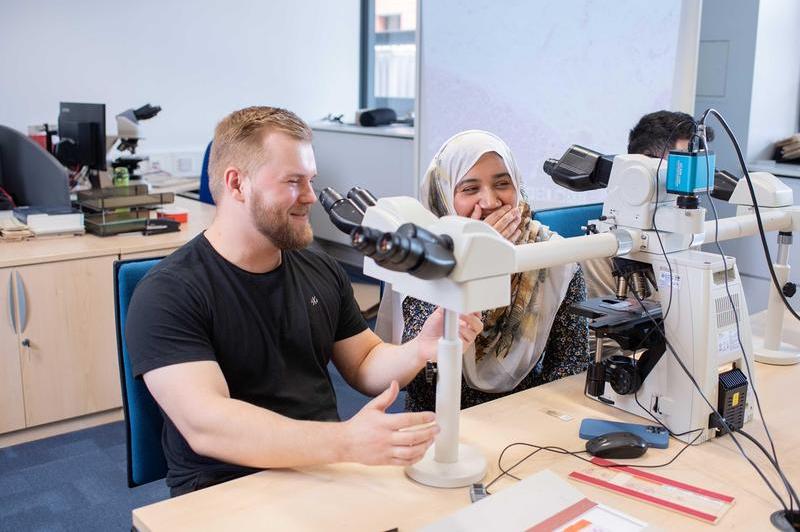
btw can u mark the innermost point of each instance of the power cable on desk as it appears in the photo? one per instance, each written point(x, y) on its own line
point(719, 419)
point(575, 454)
point(774, 458)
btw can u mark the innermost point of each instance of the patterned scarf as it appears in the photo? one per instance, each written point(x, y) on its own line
point(501, 324)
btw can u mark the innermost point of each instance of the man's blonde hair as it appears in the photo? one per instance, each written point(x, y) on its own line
point(239, 141)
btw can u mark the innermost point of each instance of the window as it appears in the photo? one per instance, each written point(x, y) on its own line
point(388, 54)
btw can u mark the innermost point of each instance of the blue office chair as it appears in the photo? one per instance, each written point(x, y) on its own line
point(205, 191)
point(567, 221)
point(143, 421)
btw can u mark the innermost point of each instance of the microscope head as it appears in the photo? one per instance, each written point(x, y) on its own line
point(128, 125)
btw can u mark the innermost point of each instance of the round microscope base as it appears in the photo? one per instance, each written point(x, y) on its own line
point(785, 356)
point(470, 468)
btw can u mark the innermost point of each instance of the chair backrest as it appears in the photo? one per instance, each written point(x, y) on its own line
point(567, 221)
point(205, 191)
point(29, 173)
point(143, 421)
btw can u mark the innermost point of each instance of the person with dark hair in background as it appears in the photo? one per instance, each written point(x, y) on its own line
point(650, 135)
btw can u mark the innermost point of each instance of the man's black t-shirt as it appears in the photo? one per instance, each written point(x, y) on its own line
point(270, 333)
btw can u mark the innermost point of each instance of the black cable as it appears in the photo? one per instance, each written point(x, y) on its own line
point(789, 487)
point(774, 458)
point(575, 454)
point(749, 182)
point(666, 148)
point(730, 299)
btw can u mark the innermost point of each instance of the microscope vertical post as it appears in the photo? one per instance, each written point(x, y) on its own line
point(771, 350)
point(449, 464)
point(448, 390)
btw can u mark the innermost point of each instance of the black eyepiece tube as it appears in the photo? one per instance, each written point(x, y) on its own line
point(342, 211)
point(328, 198)
point(580, 169)
point(362, 197)
point(365, 240)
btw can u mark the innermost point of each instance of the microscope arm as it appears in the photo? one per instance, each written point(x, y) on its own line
point(556, 252)
point(746, 224)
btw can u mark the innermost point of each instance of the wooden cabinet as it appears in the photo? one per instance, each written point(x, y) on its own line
point(58, 347)
point(68, 340)
point(12, 405)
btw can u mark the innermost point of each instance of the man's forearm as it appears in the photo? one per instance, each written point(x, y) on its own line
point(237, 432)
point(388, 362)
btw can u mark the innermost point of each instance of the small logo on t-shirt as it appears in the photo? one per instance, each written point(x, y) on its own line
point(314, 301)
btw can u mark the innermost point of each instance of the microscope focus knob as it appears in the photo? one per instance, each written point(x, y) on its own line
point(789, 289)
point(622, 375)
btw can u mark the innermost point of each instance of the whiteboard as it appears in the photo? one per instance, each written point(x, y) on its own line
point(547, 74)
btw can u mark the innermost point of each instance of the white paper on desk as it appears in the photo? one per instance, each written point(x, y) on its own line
point(530, 502)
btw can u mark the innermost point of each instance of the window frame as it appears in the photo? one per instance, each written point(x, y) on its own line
point(369, 39)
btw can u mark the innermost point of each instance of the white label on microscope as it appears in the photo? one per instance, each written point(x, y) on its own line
point(727, 341)
point(663, 279)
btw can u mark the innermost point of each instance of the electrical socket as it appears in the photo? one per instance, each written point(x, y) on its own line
point(178, 164)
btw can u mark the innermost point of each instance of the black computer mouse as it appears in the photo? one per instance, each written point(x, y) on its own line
point(617, 445)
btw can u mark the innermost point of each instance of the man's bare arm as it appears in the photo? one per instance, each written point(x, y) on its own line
point(195, 397)
point(369, 364)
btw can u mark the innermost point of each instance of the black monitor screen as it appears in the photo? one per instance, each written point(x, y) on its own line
point(82, 135)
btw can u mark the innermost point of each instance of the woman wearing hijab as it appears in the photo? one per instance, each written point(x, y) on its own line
point(533, 340)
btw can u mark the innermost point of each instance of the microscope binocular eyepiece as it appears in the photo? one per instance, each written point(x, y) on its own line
point(345, 213)
point(365, 240)
point(409, 249)
point(362, 198)
point(328, 198)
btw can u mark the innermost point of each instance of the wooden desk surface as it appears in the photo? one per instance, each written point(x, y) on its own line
point(355, 497)
point(39, 250)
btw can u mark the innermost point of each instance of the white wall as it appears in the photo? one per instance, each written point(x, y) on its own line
point(544, 75)
point(725, 69)
point(197, 60)
point(749, 70)
point(775, 107)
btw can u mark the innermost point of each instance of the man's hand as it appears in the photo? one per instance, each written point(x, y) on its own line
point(469, 327)
point(373, 437)
point(505, 220)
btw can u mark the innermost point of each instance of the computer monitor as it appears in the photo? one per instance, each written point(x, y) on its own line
point(82, 136)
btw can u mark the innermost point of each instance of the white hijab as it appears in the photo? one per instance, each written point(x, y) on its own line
point(490, 373)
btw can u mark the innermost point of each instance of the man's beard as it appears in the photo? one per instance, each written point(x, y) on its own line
point(278, 228)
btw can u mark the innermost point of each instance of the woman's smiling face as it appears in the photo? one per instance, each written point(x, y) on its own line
point(486, 187)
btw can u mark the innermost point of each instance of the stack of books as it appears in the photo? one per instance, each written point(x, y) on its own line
point(788, 149)
point(51, 220)
point(12, 229)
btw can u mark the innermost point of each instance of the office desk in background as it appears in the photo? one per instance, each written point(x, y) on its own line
point(172, 184)
point(380, 159)
point(775, 168)
point(58, 368)
point(355, 497)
